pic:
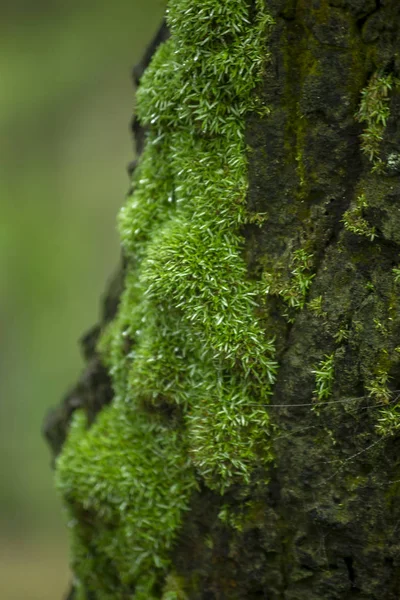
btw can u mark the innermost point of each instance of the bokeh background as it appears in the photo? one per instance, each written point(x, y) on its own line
point(66, 101)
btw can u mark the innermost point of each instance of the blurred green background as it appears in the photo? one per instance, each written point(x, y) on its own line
point(66, 101)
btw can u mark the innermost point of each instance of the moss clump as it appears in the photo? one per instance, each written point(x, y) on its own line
point(191, 365)
point(127, 496)
point(174, 588)
point(374, 111)
point(355, 222)
point(389, 420)
point(324, 377)
point(378, 387)
point(396, 273)
point(316, 306)
point(342, 335)
point(293, 288)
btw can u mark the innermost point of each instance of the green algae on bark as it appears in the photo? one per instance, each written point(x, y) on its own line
point(191, 364)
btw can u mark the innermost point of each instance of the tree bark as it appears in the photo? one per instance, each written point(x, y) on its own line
point(321, 520)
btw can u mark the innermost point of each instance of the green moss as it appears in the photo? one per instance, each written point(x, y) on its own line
point(374, 111)
point(396, 273)
point(191, 365)
point(389, 420)
point(377, 381)
point(324, 376)
point(174, 588)
point(378, 387)
point(292, 288)
point(342, 335)
point(131, 478)
point(316, 306)
point(298, 65)
point(355, 222)
point(248, 515)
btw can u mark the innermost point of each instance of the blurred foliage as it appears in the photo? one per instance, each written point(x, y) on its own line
point(66, 100)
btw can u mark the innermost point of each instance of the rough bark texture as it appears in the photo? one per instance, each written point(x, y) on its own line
point(324, 521)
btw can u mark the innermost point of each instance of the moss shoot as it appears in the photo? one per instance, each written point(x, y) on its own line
point(355, 222)
point(374, 112)
point(191, 364)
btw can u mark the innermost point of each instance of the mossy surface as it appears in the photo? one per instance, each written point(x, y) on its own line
point(191, 363)
point(127, 496)
point(325, 529)
point(374, 112)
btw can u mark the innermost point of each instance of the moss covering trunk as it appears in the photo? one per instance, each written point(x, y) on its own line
point(236, 432)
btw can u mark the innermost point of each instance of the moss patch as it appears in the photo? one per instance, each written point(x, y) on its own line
point(292, 289)
point(131, 479)
point(324, 375)
point(355, 222)
point(191, 364)
point(374, 112)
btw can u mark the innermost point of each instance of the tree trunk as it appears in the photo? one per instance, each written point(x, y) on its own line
point(251, 449)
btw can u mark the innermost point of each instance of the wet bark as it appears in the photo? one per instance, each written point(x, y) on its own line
point(324, 521)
